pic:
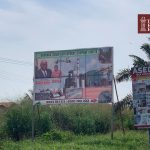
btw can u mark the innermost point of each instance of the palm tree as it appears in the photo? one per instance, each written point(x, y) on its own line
point(124, 74)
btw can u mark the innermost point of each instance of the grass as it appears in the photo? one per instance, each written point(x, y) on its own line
point(133, 140)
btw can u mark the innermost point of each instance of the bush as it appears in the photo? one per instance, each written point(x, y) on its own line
point(61, 117)
point(83, 119)
point(83, 125)
point(128, 119)
point(3, 133)
point(80, 119)
point(19, 121)
point(102, 125)
point(43, 123)
point(57, 135)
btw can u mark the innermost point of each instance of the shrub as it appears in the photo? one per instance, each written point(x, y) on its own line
point(61, 117)
point(3, 133)
point(80, 119)
point(58, 135)
point(83, 119)
point(102, 125)
point(43, 123)
point(19, 121)
point(128, 118)
point(83, 125)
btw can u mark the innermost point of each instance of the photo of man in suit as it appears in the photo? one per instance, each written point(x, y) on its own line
point(43, 72)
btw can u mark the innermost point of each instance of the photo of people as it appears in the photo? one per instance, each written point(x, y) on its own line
point(56, 73)
point(43, 71)
point(47, 68)
point(47, 89)
point(105, 55)
point(97, 73)
point(75, 64)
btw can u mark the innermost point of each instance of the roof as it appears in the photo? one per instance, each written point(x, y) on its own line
point(6, 104)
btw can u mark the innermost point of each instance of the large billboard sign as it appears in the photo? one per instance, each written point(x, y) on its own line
point(141, 96)
point(73, 76)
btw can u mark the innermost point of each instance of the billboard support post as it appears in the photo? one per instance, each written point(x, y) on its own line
point(112, 121)
point(112, 101)
point(149, 135)
point(120, 113)
point(32, 122)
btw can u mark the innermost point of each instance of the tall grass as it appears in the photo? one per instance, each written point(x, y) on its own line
point(77, 118)
point(83, 119)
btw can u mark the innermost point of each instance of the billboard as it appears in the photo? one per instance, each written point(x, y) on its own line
point(141, 96)
point(73, 76)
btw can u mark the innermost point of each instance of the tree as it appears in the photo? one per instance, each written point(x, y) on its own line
point(124, 74)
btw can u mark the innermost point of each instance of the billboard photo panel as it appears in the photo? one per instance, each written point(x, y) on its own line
point(73, 76)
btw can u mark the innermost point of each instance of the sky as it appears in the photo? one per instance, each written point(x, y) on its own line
point(27, 26)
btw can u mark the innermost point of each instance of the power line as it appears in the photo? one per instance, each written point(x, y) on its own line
point(13, 61)
point(12, 75)
point(8, 79)
point(8, 76)
point(15, 73)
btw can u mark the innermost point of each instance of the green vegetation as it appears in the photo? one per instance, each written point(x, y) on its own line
point(79, 119)
point(72, 127)
point(133, 140)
